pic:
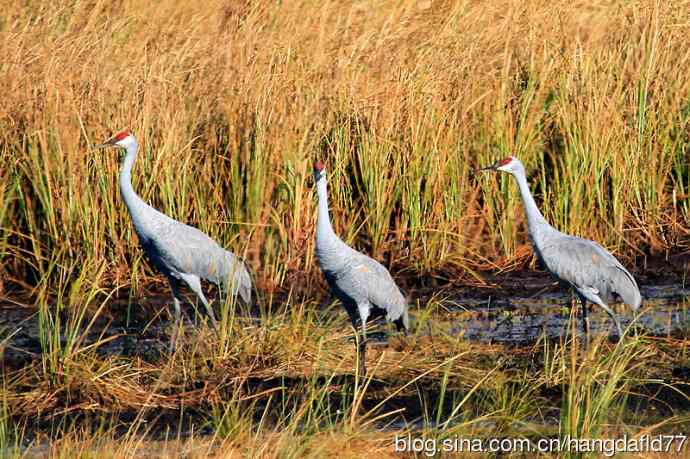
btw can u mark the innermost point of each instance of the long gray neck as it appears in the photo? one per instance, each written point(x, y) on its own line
point(324, 230)
point(135, 204)
point(536, 222)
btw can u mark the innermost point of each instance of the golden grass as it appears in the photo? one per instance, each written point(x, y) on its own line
point(231, 102)
point(280, 393)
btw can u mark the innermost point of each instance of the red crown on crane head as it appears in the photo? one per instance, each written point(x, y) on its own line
point(122, 135)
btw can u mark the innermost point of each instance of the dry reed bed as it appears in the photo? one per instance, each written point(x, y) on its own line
point(291, 349)
point(478, 390)
point(205, 370)
point(232, 101)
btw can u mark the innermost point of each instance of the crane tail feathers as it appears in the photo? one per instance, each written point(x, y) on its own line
point(403, 323)
point(630, 293)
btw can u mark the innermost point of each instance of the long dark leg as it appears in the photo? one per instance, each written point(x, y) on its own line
point(573, 303)
point(403, 323)
point(363, 351)
point(195, 284)
point(175, 288)
point(358, 347)
point(613, 317)
point(585, 325)
point(363, 316)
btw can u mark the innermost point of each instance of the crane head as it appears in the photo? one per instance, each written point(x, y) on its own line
point(319, 170)
point(509, 164)
point(122, 139)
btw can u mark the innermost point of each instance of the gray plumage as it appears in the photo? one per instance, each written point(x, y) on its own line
point(362, 284)
point(594, 274)
point(181, 252)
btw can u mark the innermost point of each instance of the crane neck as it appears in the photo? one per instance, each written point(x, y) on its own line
point(324, 230)
point(134, 203)
point(536, 222)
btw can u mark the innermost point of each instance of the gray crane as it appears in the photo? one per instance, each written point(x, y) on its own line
point(593, 273)
point(361, 283)
point(181, 252)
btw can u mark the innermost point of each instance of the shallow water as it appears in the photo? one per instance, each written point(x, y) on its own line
point(485, 315)
point(482, 316)
point(665, 311)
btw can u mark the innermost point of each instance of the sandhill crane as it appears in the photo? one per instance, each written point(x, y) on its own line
point(362, 284)
point(181, 252)
point(594, 274)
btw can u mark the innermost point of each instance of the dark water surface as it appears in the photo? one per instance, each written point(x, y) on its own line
point(485, 316)
point(665, 311)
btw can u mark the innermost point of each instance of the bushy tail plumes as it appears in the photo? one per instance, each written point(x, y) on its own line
point(238, 278)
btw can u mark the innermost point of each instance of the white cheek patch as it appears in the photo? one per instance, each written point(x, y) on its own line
point(124, 142)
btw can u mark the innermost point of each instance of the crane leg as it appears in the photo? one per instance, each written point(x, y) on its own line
point(585, 325)
point(403, 324)
point(195, 284)
point(363, 316)
point(175, 288)
point(613, 316)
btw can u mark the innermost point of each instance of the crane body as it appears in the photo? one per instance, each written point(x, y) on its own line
point(593, 273)
point(184, 254)
point(363, 285)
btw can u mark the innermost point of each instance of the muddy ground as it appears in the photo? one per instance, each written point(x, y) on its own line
point(512, 309)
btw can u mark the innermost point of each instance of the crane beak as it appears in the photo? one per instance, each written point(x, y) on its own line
point(106, 144)
point(492, 167)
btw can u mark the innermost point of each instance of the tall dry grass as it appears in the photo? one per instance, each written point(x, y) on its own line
point(232, 101)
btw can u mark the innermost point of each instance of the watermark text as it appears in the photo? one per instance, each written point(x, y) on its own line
point(605, 446)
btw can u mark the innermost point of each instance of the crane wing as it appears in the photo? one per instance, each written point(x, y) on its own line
point(586, 265)
point(185, 249)
point(368, 276)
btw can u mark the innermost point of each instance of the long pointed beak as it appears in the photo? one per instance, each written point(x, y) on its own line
point(487, 168)
point(106, 144)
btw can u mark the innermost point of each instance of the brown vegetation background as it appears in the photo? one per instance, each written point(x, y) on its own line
point(233, 100)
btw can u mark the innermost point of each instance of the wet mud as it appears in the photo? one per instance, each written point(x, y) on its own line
point(484, 314)
point(522, 320)
point(487, 315)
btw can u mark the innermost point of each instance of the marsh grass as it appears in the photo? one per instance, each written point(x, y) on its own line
point(231, 103)
point(289, 389)
point(595, 393)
